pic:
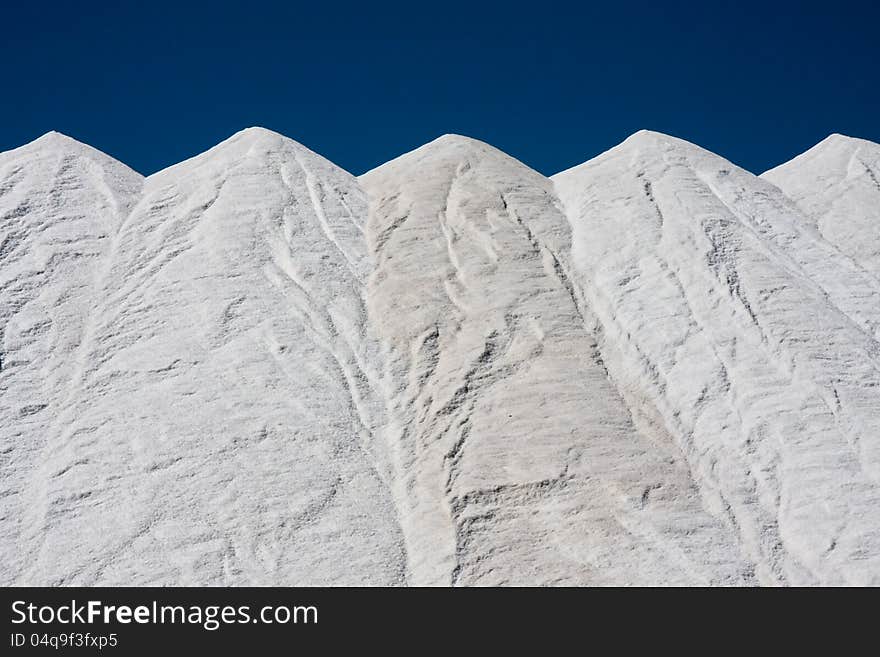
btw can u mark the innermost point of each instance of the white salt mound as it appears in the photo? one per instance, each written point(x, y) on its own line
point(253, 368)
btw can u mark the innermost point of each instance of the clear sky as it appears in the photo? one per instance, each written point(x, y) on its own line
point(551, 83)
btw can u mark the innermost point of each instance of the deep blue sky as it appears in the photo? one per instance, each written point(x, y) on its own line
point(553, 84)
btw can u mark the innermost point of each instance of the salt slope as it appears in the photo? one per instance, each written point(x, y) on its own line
point(219, 427)
point(60, 204)
point(837, 185)
point(715, 306)
point(517, 460)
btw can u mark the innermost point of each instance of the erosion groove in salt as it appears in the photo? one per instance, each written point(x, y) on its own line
point(255, 368)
